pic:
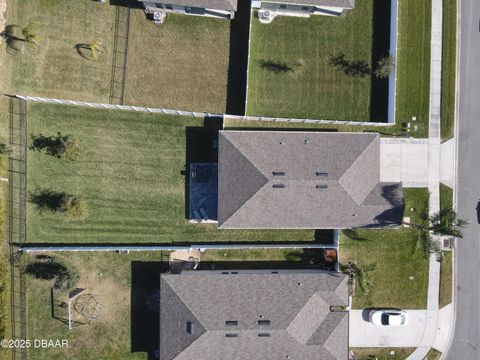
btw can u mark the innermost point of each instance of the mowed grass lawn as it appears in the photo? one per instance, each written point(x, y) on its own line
point(182, 64)
point(397, 258)
point(382, 353)
point(294, 95)
point(54, 68)
point(315, 88)
point(449, 69)
point(131, 175)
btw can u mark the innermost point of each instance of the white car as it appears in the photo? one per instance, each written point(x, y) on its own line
point(388, 317)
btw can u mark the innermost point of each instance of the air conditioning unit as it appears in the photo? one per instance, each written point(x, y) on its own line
point(157, 16)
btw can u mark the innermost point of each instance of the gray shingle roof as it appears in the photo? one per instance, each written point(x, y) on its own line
point(296, 303)
point(346, 4)
point(228, 5)
point(346, 192)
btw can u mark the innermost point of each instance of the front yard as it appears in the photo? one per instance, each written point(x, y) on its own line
point(130, 173)
point(400, 275)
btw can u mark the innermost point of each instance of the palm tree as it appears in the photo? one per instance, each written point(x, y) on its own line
point(359, 272)
point(30, 34)
point(443, 222)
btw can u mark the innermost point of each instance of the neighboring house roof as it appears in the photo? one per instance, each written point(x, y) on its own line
point(228, 5)
point(346, 4)
point(296, 304)
point(330, 180)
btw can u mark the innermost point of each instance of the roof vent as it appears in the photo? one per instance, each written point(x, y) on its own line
point(231, 335)
point(306, 141)
point(278, 186)
point(263, 322)
point(190, 327)
point(279, 173)
point(321, 186)
point(231, 322)
point(263, 334)
point(320, 173)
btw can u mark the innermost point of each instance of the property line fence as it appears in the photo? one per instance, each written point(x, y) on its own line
point(120, 248)
point(118, 107)
point(306, 121)
point(199, 114)
point(120, 50)
point(392, 80)
point(17, 218)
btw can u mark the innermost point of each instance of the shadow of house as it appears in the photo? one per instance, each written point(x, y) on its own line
point(201, 147)
point(145, 303)
point(238, 60)
point(134, 4)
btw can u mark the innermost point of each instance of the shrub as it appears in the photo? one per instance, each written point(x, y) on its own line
point(64, 279)
point(384, 66)
point(73, 207)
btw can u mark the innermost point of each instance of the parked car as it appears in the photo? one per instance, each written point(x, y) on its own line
point(388, 317)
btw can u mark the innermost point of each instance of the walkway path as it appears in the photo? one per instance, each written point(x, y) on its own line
point(438, 324)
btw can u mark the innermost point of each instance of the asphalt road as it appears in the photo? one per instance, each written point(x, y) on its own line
point(466, 338)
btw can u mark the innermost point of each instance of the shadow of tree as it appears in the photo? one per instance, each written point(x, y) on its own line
point(276, 67)
point(45, 270)
point(48, 199)
point(84, 51)
point(11, 40)
point(355, 68)
point(52, 145)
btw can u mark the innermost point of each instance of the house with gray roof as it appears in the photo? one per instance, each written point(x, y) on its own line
point(252, 315)
point(224, 9)
point(268, 9)
point(304, 180)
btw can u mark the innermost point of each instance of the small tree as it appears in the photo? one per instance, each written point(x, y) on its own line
point(359, 272)
point(384, 67)
point(95, 47)
point(65, 280)
point(30, 34)
point(73, 207)
point(443, 222)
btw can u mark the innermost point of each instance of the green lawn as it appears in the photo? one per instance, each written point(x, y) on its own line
point(54, 68)
point(413, 73)
point(446, 196)
point(315, 88)
point(182, 64)
point(130, 175)
point(119, 286)
point(449, 53)
point(397, 258)
point(413, 63)
point(382, 353)
point(446, 274)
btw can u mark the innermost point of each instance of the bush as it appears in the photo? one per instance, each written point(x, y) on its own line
point(66, 280)
point(384, 67)
point(73, 207)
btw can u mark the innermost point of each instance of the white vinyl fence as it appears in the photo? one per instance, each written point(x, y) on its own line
point(118, 107)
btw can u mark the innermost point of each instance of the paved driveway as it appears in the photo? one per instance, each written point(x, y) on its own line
point(364, 334)
point(406, 160)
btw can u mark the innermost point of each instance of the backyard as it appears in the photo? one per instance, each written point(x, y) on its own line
point(57, 66)
point(182, 64)
point(123, 286)
point(396, 261)
point(313, 85)
point(130, 173)
point(413, 63)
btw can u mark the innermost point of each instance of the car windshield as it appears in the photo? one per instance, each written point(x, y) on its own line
point(385, 319)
